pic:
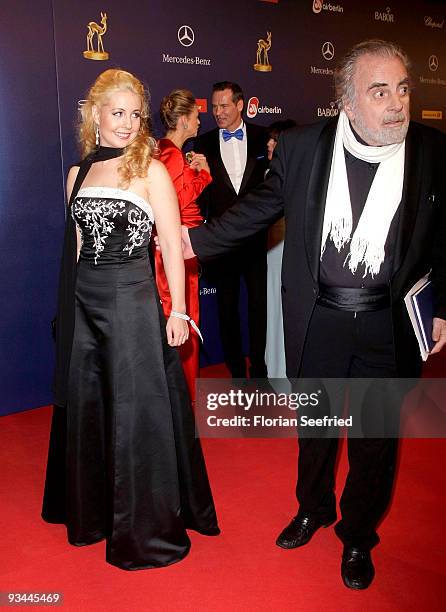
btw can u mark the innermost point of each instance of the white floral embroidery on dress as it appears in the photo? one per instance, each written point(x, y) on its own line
point(79, 229)
point(117, 194)
point(97, 216)
point(140, 227)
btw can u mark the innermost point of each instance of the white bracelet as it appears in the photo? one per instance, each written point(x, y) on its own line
point(185, 317)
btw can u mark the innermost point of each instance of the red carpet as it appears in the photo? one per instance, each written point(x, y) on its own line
point(253, 482)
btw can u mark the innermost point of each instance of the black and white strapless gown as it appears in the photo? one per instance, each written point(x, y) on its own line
point(135, 473)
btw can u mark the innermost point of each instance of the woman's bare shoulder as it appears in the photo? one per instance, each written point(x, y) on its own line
point(156, 168)
point(73, 172)
point(71, 178)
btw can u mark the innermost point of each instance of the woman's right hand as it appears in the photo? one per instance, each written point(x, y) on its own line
point(177, 331)
point(199, 162)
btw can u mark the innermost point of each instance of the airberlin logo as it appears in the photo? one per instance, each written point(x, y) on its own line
point(202, 104)
point(254, 108)
point(319, 6)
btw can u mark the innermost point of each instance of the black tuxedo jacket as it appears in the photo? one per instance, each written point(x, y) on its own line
point(296, 186)
point(220, 194)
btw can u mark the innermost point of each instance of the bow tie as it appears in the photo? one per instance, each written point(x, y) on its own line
point(227, 135)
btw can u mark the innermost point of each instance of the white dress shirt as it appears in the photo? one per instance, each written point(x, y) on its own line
point(234, 153)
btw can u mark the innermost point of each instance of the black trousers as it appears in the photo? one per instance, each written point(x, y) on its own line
point(343, 344)
point(249, 263)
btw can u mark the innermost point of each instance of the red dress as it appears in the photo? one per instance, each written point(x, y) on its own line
point(188, 184)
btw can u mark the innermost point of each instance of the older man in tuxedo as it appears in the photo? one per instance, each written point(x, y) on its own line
point(236, 154)
point(364, 202)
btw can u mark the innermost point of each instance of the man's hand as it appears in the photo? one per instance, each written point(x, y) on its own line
point(187, 247)
point(185, 243)
point(438, 335)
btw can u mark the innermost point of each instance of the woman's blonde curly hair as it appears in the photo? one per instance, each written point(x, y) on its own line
point(139, 153)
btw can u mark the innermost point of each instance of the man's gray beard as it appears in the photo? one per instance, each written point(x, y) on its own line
point(385, 136)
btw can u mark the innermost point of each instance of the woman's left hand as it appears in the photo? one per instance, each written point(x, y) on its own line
point(177, 331)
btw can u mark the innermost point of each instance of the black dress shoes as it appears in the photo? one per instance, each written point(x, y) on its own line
point(300, 531)
point(357, 569)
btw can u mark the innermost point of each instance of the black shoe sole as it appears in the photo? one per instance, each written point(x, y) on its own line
point(355, 586)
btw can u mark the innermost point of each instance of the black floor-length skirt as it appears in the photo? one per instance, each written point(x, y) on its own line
point(124, 463)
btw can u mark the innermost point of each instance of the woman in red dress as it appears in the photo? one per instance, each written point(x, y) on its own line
point(179, 114)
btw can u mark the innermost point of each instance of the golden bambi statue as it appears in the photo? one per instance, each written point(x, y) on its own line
point(94, 28)
point(263, 46)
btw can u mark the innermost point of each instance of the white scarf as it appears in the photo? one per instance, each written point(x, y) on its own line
point(369, 238)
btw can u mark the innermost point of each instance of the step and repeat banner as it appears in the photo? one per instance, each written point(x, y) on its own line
point(31, 202)
point(281, 52)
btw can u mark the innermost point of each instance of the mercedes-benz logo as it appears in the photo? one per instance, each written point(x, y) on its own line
point(433, 63)
point(328, 51)
point(186, 35)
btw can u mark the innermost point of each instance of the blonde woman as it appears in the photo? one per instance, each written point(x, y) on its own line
point(124, 464)
point(179, 114)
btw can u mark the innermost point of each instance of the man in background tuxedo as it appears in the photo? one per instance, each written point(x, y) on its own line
point(364, 199)
point(236, 154)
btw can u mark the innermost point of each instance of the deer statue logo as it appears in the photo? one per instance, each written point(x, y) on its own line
point(99, 30)
point(263, 46)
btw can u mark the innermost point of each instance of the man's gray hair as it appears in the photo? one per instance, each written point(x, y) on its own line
point(345, 70)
